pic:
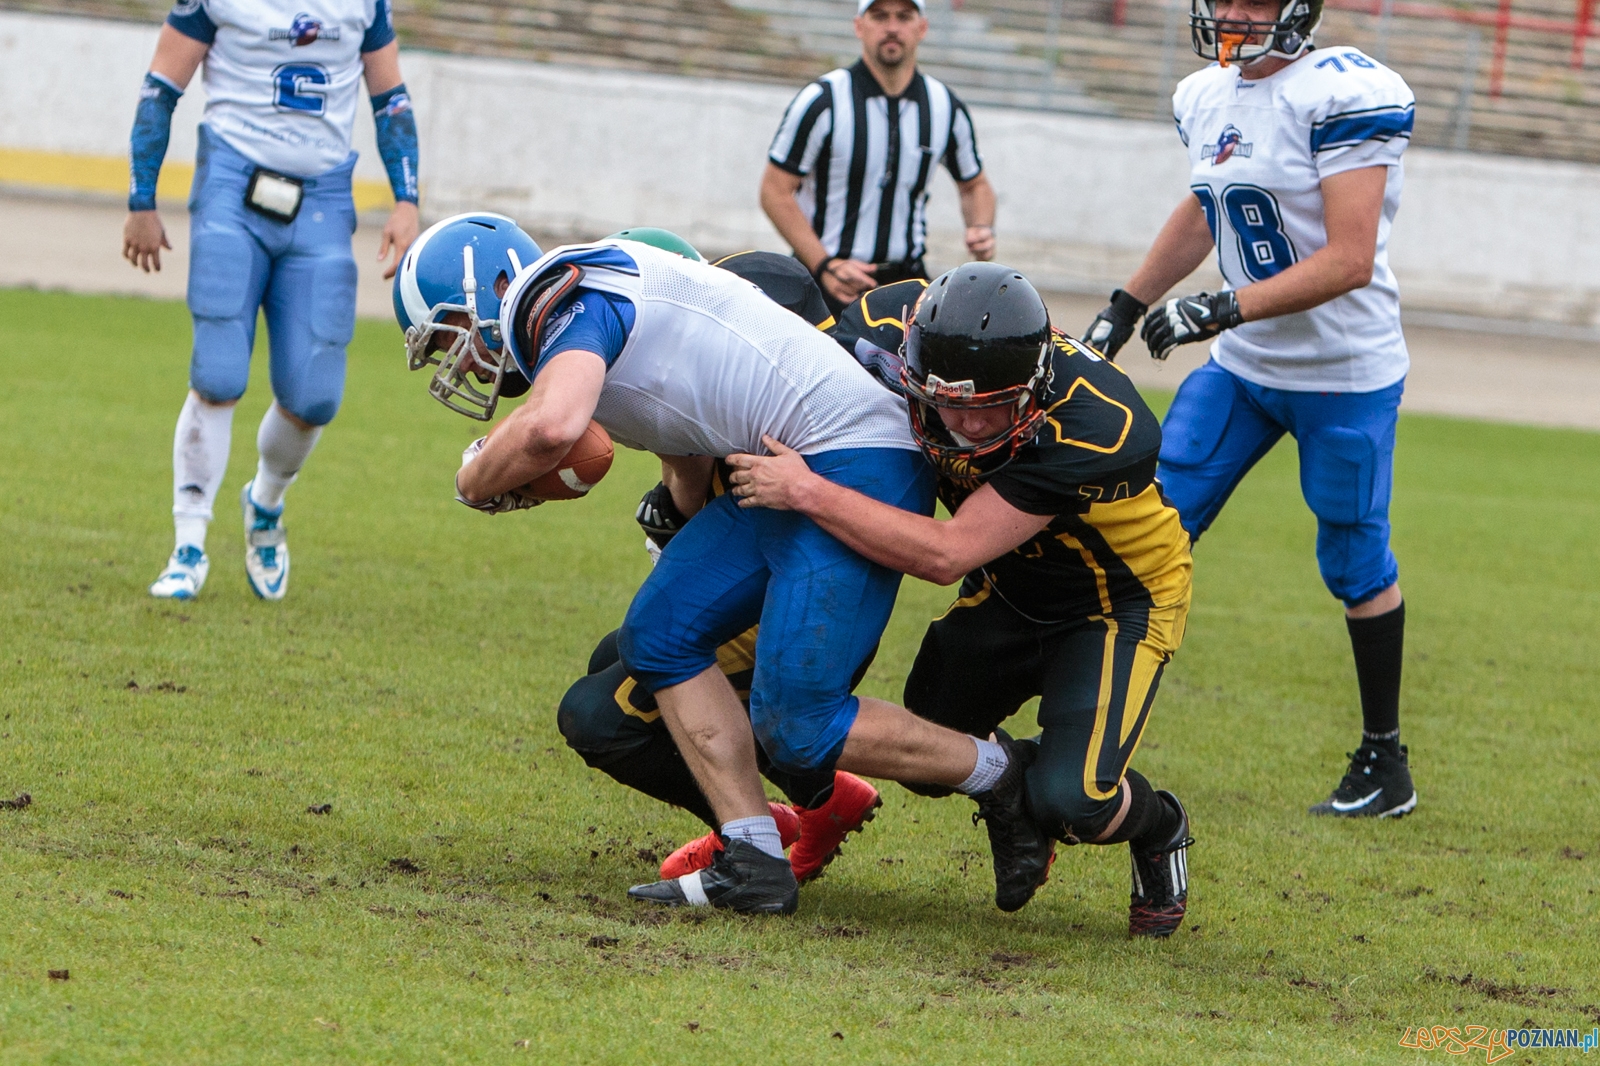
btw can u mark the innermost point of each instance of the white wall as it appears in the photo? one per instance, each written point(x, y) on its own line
point(579, 152)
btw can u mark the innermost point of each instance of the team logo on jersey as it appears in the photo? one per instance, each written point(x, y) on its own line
point(1231, 143)
point(305, 30)
point(559, 324)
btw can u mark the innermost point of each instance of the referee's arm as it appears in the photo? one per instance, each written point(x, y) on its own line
point(977, 210)
point(965, 165)
point(845, 279)
point(778, 188)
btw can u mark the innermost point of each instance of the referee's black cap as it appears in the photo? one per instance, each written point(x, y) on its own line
point(783, 278)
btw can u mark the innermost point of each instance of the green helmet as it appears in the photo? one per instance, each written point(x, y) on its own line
point(666, 240)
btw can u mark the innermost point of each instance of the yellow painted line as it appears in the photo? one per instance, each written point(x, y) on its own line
point(109, 174)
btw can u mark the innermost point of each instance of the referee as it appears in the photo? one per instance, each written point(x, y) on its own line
point(846, 182)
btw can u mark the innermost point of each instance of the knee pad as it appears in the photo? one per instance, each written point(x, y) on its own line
point(595, 722)
point(309, 350)
point(219, 298)
point(802, 743)
point(219, 366)
point(650, 650)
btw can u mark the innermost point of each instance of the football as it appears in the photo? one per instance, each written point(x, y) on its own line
point(579, 470)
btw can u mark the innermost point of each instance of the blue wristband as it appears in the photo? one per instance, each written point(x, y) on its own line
point(152, 127)
point(397, 140)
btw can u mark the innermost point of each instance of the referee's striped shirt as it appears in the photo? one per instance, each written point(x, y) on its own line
point(865, 158)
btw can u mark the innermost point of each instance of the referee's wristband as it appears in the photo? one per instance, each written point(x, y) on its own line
point(822, 268)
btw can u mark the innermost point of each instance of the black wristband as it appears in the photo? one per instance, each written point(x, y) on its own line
point(1226, 307)
point(1127, 306)
point(822, 268)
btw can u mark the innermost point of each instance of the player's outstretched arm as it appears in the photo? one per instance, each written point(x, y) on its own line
point(535, 436)
point(985, 527)
point(177, 57)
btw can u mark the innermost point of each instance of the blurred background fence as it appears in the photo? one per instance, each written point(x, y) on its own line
point(1513, 77)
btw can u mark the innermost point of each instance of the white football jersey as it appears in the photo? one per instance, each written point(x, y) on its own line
point(283, 77)
point(1257, 153)
point(712, 363)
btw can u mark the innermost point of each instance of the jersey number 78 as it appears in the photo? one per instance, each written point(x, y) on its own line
point(1253, 217)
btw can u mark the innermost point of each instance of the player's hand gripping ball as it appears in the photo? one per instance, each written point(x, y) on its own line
point(580, 470)
point(585, 463)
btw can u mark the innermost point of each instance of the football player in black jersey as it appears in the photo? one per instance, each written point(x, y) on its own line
point(1076, 569)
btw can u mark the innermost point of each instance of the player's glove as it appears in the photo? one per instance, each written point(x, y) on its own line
point(506, 501)
point(658, 516)
point(1185, 319)
point(1113, 326)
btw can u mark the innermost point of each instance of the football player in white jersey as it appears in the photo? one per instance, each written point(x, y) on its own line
point(695, 363)
point(1295, 177)
point(271, 219)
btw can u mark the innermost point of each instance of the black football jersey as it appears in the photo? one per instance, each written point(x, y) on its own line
point(1114, 541)
point(873, 328)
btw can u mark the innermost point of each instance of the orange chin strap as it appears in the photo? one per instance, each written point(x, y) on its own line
point(1228, 45)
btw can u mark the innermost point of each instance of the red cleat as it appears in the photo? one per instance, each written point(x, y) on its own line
point(699, 854)
point(852, 804)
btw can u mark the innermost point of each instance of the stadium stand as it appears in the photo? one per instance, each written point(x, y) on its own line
point(1503, 76)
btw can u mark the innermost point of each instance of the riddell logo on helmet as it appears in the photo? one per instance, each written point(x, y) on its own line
point(941, 389)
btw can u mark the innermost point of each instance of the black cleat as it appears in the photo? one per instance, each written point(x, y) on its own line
point(741, 878)
point(1022, 849)
point(1378, 785)
point(1161, 880)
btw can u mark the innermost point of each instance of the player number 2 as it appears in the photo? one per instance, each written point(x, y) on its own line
point(299, 87)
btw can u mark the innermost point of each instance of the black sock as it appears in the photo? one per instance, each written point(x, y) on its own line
point(1150, 822)
point(1378, 643)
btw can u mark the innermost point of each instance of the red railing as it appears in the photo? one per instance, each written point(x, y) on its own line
point(1581, 27)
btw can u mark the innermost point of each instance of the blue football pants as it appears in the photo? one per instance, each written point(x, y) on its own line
point(1220, 425)
point(821, 607)
point(302, 274)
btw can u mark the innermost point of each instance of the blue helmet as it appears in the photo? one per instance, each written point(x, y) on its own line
point(454, 269)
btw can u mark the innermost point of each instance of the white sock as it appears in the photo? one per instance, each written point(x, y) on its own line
point(762, 832)
point(284, 447)
point(199, 459)
point(992, 762)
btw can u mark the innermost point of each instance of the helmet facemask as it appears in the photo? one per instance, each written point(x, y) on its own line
point(1230, 41)
point(475, 352)
point(954, 457)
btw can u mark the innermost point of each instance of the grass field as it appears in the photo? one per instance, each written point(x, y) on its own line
point(463, 901)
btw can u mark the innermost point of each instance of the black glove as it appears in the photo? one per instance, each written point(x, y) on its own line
point(1185, 319)
point(1113, 326)
point(658, 516)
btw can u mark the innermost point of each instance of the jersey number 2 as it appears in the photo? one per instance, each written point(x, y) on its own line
point(299, 87)
point(1252, 213)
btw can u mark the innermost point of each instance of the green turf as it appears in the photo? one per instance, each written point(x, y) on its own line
point(463, 901)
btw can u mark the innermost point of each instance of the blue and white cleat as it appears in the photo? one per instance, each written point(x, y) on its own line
point(185, 574)
point(266, 548)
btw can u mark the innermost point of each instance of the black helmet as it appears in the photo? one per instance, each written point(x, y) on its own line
point(783, 278)
point(980, 337)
